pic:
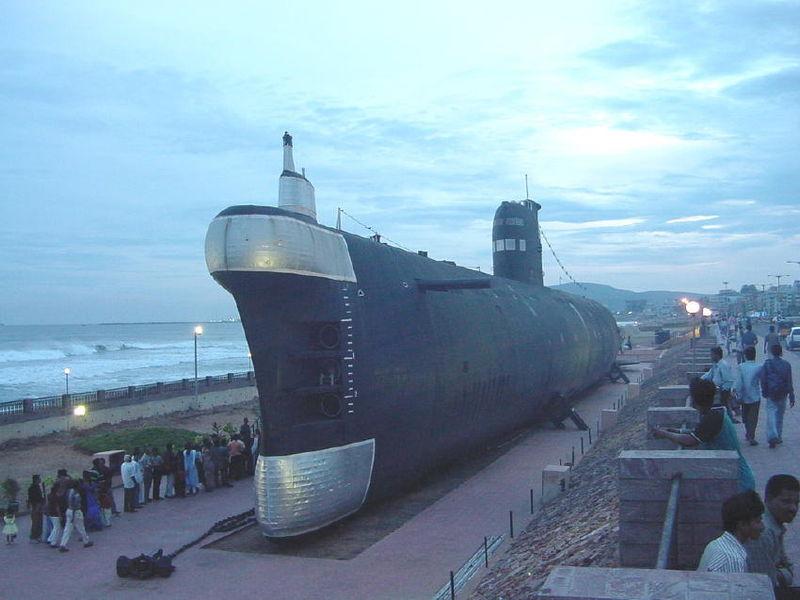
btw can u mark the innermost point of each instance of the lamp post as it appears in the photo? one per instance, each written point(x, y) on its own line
point(778, 292)
point(198, 331)
point(250, 360)
point(693, 307)
point(66, 381)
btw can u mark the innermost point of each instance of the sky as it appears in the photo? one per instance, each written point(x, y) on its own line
point(660, 138)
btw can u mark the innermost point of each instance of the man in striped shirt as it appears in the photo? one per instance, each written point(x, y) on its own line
point(741, 518)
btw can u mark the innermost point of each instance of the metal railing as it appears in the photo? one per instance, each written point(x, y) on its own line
point(668, 532)
point(48, 405)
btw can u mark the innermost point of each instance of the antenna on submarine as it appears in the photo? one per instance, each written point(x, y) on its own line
point(527, 196)
point(339, 218)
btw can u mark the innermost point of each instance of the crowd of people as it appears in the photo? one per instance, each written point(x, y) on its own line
point(753, 540)
point(87, 503)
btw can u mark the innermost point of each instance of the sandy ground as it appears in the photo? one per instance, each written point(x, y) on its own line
point(19, 459)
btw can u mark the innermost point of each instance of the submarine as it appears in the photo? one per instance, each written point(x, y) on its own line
point(375, 365)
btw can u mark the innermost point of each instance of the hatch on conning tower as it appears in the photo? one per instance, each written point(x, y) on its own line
point(295, 192)
point(516, 246)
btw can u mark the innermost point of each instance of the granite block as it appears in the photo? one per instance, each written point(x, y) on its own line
point(642, 511)
point(691, 464)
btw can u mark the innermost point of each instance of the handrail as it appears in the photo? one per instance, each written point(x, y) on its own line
point(667, 533)
point(46, 405)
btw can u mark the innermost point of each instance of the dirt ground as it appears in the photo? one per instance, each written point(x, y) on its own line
point(44, 455)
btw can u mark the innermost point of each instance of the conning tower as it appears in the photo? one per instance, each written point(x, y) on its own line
point(516, 247)
point(295, 192)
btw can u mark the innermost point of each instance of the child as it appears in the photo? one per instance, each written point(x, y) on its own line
point(10, 527)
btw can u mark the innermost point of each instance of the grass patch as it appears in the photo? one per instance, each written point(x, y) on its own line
point(137, 438)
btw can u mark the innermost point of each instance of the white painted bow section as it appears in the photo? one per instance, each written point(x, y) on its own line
point(276, 244)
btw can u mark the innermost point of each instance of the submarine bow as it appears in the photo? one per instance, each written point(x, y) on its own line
point(375, 365)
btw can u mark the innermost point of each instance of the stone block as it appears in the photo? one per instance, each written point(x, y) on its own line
point(672, 416)
point(634, 390)
point(638, 555)
point(608, 418)
point(594, 583)
point(643, 490)
point(664, 464)
point(639, 533)
point(700, 511)
point(709, 490)
point(647, 373)
point(672, 395)
point(697, 534)
point(555, 479)
point(642, 511)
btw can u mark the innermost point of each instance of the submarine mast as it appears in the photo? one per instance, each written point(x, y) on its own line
point(516, 246)
point(295, 192)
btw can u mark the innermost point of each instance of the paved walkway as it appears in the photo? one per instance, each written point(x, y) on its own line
point(411, 562)
point(766, 462)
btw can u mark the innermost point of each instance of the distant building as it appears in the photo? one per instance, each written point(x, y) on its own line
point(635, 306)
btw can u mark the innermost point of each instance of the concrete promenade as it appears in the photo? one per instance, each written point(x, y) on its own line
point(413, 561)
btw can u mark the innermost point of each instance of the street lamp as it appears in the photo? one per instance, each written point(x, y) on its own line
point(693, 307)
point(79, 411)
point(198, 330)
point(706, 311)
point(250, 360)
point(66, 380)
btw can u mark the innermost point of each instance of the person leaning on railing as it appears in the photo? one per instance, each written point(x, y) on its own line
point(714, 431)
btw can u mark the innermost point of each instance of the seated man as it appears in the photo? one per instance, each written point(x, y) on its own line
point(767, 554)
point(741, 518)
point(715, 431)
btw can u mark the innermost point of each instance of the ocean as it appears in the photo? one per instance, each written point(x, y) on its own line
point(33, 357)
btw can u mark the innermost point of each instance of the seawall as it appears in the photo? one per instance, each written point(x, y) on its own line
point(117, 413)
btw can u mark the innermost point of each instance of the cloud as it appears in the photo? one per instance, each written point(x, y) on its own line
point(785, 82)
point(735, 202)
point(713, 226)
point(581, 226)
point(693, 219)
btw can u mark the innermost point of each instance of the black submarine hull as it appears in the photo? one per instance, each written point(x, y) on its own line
point(369, 380)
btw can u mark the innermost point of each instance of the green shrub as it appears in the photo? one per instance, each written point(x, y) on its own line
point(129, 439)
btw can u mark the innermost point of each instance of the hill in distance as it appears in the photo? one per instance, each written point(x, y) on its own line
point(614, 299)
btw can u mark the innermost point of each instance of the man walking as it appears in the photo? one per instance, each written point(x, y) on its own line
point(748, 388)
point(771, 339)
point(74, 517)
point(722, 377)
point(767, 554)
point(128, 472)
point(776, 387)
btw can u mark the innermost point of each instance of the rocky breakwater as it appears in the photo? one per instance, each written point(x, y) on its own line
point(581, 526)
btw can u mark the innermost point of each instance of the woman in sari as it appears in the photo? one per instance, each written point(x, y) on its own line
point(190, 456)
point(93, 519)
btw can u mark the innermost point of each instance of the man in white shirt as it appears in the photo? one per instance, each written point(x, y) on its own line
point(741, 518)
point(748, 388)
point(722, 376)
point(128, 471)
